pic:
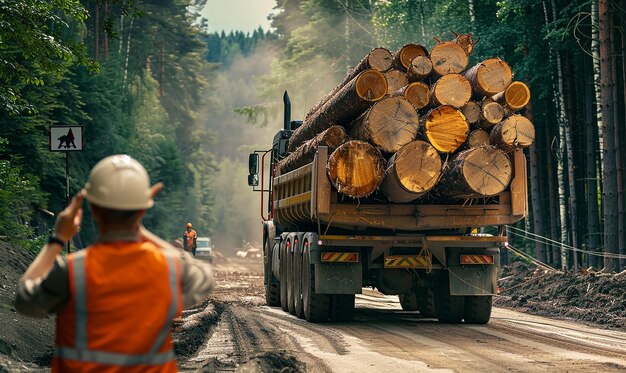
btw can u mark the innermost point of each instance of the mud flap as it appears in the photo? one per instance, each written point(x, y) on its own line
point(473, 280)
point(338, 278)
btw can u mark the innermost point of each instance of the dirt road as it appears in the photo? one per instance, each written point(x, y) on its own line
point(238, 332)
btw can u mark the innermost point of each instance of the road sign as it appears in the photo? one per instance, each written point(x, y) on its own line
point(66, 138)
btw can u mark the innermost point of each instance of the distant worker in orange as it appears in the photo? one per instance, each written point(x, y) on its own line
point(189, 239)
point(116, 299)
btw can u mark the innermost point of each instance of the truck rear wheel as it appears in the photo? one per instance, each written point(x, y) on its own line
point(272, 286)
point(408, 301)
point(478, 309)
point(342, 307)
point(449, 308)
point(290, 277)
point(297, 258)
point(426, 302)
point(283, 276)
point(316, 306)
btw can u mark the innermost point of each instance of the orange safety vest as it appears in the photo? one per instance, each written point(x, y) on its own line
point(123, 297)
point(190, 236)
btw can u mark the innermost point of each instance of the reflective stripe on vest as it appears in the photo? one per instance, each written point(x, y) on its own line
point(82, 352)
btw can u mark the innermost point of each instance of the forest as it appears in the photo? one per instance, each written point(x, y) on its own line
point(148, 79)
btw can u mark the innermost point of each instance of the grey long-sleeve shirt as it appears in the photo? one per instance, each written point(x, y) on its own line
point(49, 294)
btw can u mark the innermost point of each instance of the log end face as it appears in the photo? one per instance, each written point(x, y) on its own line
point(452, 89)
point(487, 171)
point(448, 58)
point(514, 132)
point(446, 128)
point(392, 123)
point(418, 167)
point(517, 95)
point(356, 168)
point(418, 94)
point(396, 79)
point(380, 59)
point(371, 85)
point(409, 52)
point(471, 111)
point(493, 75)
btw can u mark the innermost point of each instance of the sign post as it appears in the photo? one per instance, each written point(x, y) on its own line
point(66, 139)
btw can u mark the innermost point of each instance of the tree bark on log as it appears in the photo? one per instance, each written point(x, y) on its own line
point(472, 112)
point(420, 68)
point(466, 41)
point(379, 59)
point(445, 128)
point(416, 93)
point(514, 97)
point(403, 57)
point(478, 138)
point(491, 113)
point(412, 172)
point(475, 173)
point(332, 138)
point(513, 132)
point(451, 89)
point(347, 104)
point(356, 168)
point(448, 58)
point(389, 124)
point(490, 77)
point(396, 79)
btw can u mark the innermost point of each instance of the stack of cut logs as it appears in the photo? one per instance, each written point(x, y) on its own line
point(415, 123)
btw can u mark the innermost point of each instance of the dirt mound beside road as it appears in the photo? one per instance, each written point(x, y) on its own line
point(596, 298)
point(22, 338)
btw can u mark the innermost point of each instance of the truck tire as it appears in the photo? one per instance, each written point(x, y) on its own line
point(272, 286)
point(297, 258)
point(342, 307)
point(316, 306)
point(426, 302)
point(408, 301)
point(283, 276)
point(290, 275)
point(449, 308)
point(477, 309)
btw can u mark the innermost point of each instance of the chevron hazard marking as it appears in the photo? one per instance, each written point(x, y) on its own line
point(336, 257)
point(406, 261)
point(477, 259)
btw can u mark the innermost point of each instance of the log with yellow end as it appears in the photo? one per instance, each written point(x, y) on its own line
point(446, 128)
point(356, 168)
point(342, 108)
point(412, 172)
point(514, 97)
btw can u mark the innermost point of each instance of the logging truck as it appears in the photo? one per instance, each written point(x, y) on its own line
point(320, 248)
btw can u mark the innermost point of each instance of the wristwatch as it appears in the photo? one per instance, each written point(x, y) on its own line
point(54, 239)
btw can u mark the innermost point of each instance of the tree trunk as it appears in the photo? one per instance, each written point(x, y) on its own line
point(540, 248)
point(378, 59)
point(402, 58)
point(513, 133)
point(356, 168)
point(105, 34)
point(475, 173)
point(552, 201)
point(448, 58)
point(445, 128)
point(389, 124)
point(478, 138)
point(491, 113)
point(332, 138)
point(591, 173)
point(97, 30)
point(451, 89)
point(595, 54)
point(472, 112)
point(396, 79)
point(609, 172)
point(412, 172)
point(347, 104)
point(416, 93)
point(128, 40)
point(514, 97)
point(419, 69)
point(571, 169)
point(489, 77)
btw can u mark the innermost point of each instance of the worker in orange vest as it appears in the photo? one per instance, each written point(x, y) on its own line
point(116, 299)
point(189, 239)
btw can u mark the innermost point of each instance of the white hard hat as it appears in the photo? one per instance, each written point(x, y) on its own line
point(119, 182)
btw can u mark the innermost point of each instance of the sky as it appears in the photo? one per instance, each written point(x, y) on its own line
point(232, 15)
